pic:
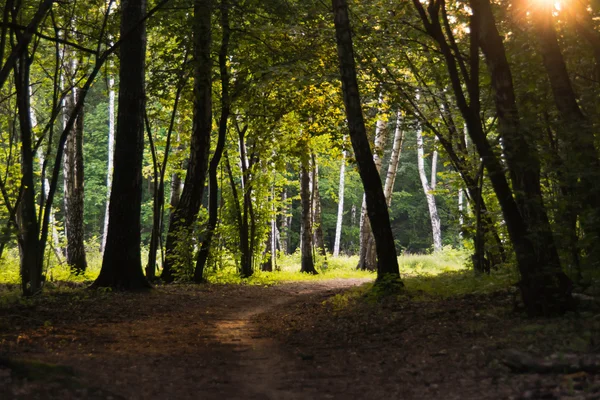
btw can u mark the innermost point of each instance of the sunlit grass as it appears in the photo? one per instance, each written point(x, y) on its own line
point(445, 273)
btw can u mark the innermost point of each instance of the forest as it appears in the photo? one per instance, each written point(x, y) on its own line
point(264, 191)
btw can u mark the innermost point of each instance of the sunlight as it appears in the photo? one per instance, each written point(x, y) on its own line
point(555, 5)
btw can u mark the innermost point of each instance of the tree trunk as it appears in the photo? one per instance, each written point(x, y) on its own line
point(216, 159)
point(576, 133)
point(111, 154)
point(544, 286)
point(175, 190)
point(307, 263)
point(390, 177)
point(30, 249)
point(387, 262)
point(267, 262)
point(284, 240)
point(436, 229)
point(319, 240)
point(122, 265)
point(340, 213)
point(74, 182)
point(183, 217)
point(388, 187)
point(368, 258)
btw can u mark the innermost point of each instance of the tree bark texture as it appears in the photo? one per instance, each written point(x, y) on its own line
point(74, 185)
point(368, 256)
point(30, 249)
point(307, 262)
point(121, 264)
point(387, 262)
point(183, 217)
point(317, 222)
point(213, 183)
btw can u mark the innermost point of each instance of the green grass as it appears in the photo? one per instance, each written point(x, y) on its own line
point(447, 274)
point(289, 271)
point(440, 274)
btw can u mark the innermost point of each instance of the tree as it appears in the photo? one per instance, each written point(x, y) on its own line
point(111, 154)
point(436, 229)
point(183, 217)
point(122, 264)
point(307, 263)
point(216, 158)
point(581, 160)
point(340, 213)
point(74, 177)
point(387, 263)
point(367, 259)
point(544, 287)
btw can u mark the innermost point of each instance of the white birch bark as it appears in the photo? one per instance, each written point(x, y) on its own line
point(41, 160)
point(274, 232)
point(388, 187)
point(340, 214)
point(461, 217)
point(433, 214)
point(111, 151)
point(434, 159)
point(390, 178)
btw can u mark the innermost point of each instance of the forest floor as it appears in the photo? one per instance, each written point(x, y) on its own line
point(303, 340)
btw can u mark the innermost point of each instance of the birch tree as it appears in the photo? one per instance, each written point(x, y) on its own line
point(111, 154)
point(428, 189)
point(387, 262)
point(340, 212)
point(390, 179)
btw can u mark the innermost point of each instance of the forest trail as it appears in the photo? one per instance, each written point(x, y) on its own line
point(289, 341)
point(178, 342)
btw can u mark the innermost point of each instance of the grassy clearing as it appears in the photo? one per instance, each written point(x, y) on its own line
point(441, 274)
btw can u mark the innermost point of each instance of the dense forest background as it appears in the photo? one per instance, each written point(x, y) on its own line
point(206, 135)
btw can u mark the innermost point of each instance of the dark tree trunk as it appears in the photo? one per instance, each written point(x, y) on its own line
point(267, 263)
point(213, 183)
point(31, 252)
point(365, 258)
point(387, 261)
point(248, 227)
point(575, 132)
point(74, 187)
point(545, 288)
point(246, 269)
point(175, 190)
point(159, 189)
point(307, 263)
point(183, 217)
point(317, 219)
point(122, 265)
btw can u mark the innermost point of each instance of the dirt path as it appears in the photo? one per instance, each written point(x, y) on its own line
point(176, 343)
point(282, 342)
